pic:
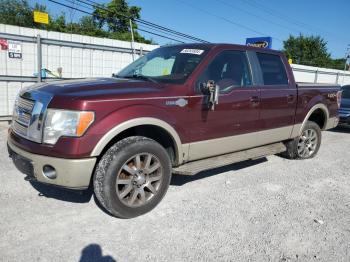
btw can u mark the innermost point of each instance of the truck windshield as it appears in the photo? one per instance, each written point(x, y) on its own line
point(172, 64)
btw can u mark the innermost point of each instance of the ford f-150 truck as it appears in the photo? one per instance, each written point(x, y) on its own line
point(178, 109)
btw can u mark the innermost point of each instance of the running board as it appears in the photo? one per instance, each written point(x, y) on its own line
point(195, 167)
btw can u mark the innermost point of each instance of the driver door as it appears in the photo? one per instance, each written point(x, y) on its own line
point(230, 125)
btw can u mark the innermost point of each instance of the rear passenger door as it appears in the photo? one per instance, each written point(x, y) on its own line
point(278, 97)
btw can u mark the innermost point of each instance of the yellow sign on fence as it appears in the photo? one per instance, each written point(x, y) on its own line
point(41, 17)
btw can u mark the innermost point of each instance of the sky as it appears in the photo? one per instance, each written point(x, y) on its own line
point(232, 21)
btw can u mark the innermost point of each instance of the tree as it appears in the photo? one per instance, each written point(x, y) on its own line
point(88, 26)
point(337, 63)
point(307, 50)
point(104, 23)
point(16, 12)
point(116, 15)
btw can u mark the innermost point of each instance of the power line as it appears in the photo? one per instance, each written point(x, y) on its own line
point(157, 30)
point(257, 16)
point(88, 13)
point(288, 19)
point(226, 19)
point(142, 30)
point(168, 30)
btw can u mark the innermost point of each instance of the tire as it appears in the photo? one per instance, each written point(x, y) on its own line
point(132, 177)
point(311, 144)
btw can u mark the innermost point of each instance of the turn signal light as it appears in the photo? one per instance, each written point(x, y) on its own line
point(85, 120)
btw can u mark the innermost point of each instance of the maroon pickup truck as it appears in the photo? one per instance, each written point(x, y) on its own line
point(179, 109)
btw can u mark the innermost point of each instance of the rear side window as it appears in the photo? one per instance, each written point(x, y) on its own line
point(273, 70)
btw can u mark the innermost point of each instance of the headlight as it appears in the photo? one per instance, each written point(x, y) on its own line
point(66, 123)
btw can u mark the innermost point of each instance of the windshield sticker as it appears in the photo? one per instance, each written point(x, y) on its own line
point(192, 51)
point(165, 72)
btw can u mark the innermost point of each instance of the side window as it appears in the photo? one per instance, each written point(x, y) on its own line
point(272, 69)
point(229, 69)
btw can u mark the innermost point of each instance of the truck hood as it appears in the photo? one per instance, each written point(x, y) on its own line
point(96, 87)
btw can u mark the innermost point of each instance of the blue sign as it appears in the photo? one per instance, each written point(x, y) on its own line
point(262, 42)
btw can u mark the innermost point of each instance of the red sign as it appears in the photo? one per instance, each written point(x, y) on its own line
point(4, 45)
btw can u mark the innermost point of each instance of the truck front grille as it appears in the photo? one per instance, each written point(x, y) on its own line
point(29, 113)
point(25, 104)
point(22, 116)
point(25, 122)
point(19, 129)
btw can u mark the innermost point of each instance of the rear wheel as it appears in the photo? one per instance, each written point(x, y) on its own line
point(132, 177)
point(306, 145)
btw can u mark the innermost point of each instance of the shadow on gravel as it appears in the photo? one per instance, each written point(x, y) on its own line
point(341, 129)
point(85, 196)
point(82, 196)
point(93, 253)
point(179, 180)
point(50, 191)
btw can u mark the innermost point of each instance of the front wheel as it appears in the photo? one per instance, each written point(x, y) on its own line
point(132, 177)
point(306, 145)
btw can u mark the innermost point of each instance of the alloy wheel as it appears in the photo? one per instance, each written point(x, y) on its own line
point(139, 179)
point(307, 143)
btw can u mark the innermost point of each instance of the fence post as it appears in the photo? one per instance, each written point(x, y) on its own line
point(316, 76)
point(39, 57)
point(132, 41)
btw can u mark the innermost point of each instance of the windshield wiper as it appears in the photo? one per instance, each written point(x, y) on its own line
point(142, 77)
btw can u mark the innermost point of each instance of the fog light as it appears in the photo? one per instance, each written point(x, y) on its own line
point(49, 172)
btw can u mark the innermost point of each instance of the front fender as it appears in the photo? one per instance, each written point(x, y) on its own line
point(133, 116)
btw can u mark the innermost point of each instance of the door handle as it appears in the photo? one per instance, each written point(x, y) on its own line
point(254, 99)
point(290, 98)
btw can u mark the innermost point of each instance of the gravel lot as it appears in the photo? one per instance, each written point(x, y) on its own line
point(264, 210)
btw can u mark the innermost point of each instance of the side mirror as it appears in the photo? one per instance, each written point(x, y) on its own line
point(212, 91)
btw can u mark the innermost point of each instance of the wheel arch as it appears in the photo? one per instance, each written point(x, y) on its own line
point(143, 123)
point(319, 114)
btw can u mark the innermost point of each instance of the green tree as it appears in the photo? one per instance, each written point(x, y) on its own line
point(103, 23)
point(88, 26)
point(307, 50)
point(115, 15)
point(16, 12)
point(58, 24)
point(337, 63)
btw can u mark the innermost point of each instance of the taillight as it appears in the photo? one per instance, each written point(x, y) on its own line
point(339, 93)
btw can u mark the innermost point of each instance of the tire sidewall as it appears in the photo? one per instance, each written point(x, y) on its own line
point(113, 203)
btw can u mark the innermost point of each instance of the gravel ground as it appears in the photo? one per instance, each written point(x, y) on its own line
point(270, 209)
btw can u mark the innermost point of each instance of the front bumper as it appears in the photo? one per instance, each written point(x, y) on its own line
point(70, 173)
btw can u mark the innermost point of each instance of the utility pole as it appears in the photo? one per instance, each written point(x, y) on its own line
point(132, 40)
point(347, 56)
